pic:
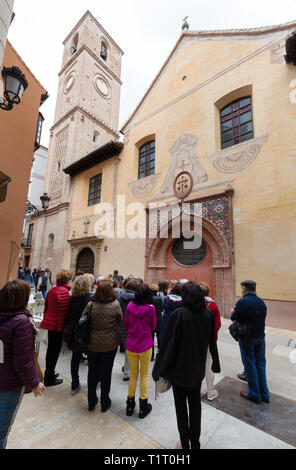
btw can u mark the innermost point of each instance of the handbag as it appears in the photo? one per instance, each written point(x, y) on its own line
point(239, 330)
point(82, 331)
point(163, 385)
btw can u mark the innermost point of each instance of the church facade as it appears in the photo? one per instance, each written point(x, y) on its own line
point(211, 144)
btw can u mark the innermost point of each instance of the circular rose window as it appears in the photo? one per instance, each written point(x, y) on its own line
point(189, 252)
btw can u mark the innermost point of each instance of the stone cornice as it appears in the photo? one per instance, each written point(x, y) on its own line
point(244, 31)
point(205, 195)
point(78, 241)
point(90, 116)
point(85, 48)
point(53, 210)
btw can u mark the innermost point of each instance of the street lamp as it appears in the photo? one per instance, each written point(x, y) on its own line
point(45, 200)
point(15, 83)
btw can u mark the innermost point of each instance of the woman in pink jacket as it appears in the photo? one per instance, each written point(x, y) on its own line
point(140, 322)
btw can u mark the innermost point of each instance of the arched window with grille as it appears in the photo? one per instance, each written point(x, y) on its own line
point(147, 159)
point(236, 122)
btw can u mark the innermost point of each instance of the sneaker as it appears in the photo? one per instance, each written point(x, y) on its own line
point(125, 375)
point(212, 395)
point(76, 390)
point(242, 377)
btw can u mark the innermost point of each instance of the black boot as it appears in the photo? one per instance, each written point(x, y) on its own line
point(49, 382)
point(130, 406)
point(145, 408)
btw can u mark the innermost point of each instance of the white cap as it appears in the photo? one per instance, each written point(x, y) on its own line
point(183, 281)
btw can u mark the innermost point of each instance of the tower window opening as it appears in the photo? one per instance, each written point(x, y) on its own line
point(103, 53)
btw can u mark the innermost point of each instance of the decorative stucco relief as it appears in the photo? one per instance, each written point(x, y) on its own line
point(277, 52)
point(184, 158)
point(141, 188)
point(238, 157)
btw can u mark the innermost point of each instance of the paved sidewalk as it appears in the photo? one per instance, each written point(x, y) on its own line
point(58, 420)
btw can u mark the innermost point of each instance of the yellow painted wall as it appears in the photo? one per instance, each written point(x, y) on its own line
point(264, 192)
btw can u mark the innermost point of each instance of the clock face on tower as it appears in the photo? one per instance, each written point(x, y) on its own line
point(102, 86)
point(69, 82)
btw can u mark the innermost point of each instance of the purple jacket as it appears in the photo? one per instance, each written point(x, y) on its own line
point(140, 321)
point(17, 367)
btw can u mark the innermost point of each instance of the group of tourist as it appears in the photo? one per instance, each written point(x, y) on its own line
point(130, 315)
point(39, 279)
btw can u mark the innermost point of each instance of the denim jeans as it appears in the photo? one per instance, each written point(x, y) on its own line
point(9, 404)
point(100, 366)
point(242, 354)
point(255, 367)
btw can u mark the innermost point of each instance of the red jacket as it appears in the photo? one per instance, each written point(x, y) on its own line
point(213, 307)
point(56, 311)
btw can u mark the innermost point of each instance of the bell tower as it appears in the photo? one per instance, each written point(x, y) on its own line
point(88, 100)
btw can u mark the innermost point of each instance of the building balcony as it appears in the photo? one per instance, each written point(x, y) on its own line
point(26, 243)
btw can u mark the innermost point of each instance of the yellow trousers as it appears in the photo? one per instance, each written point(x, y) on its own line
point(135, 360)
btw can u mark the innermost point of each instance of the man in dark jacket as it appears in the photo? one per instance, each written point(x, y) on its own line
point(252, 310)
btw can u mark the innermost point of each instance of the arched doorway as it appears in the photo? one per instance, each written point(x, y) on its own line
point(194, 264)
point(86, 261)
point(216, 268)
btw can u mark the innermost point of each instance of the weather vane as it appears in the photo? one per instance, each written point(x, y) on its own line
point(185, 23)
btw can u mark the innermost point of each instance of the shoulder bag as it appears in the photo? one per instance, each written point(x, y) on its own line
point(82, 331)
point(239, 330)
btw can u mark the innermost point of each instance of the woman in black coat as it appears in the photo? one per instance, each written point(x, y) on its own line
point(80, 297)
point(189, 331)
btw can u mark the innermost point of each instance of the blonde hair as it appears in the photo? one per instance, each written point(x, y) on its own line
point(205, 287)
point(172, 284)
point(154, 288)
point(81, 286)
point(63, 277)
point(90, 279)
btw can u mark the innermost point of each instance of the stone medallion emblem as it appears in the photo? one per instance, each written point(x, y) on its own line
point(183, 185)
point(184, 159)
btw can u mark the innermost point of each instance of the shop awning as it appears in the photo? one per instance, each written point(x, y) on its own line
point(4, 180)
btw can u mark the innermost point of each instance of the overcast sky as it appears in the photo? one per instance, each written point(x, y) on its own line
point(145, 30)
